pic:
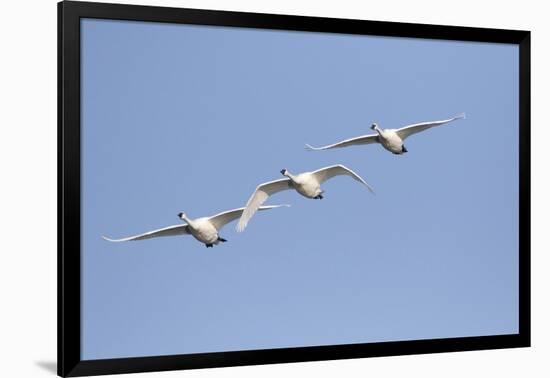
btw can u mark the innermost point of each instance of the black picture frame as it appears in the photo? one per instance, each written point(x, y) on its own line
point(69, 356)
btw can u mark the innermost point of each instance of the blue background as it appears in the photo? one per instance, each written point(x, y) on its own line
point(191, 118)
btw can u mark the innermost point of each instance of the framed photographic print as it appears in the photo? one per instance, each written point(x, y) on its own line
point(239, 188)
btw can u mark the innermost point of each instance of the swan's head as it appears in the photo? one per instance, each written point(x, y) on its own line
point(374, 126)
point(284, 172)
point(182, 216)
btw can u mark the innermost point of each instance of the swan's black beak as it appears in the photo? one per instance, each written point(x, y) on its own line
point(283, 171)
point(373, 126)
point(179, 215)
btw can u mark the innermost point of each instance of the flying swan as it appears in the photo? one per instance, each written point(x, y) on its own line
point(307, 184)
point(206, 229)
point(390, 139)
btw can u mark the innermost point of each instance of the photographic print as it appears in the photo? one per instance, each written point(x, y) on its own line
point(252, 188)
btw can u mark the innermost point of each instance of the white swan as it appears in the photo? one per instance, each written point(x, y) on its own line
point(203, 229)
point(390, 139)
point(307, 184)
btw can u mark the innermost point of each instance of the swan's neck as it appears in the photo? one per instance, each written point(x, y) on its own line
point(187, 220)
point(378, 130)
point(290, 176)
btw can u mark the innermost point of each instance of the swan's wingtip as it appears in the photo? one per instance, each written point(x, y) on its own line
point(309, 147)
point(106, 238)
point(461, 116)
point(371, 189)
point(281, 205)
point(269, 207)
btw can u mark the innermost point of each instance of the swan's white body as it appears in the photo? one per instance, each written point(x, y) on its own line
point(202, 229)
point(390, 139)
point(205, 229)
point(308, 184)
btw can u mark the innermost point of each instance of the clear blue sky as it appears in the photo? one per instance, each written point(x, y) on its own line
point(191, 118)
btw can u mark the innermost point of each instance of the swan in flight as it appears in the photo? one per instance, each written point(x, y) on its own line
point(203, 229)
point(307, 184)
point(390, 139)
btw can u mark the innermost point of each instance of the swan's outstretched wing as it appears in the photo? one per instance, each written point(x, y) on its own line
point(326, 173)
point(363, 139)
point(409, 130)
point(260, 195)
point(179, 229)
point(221, 219)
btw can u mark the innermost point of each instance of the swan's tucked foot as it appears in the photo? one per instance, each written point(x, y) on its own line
point(320, 196)
point(403, 149)
point(209, 245)
point(222, 239)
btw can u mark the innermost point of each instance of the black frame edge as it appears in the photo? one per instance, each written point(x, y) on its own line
point(69, 360)
point(60, 314)
point(297, 23)
point(525, 188)
point(68, 187)
point(292, 355)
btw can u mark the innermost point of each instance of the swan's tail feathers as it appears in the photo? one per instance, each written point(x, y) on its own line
point(311, 148)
